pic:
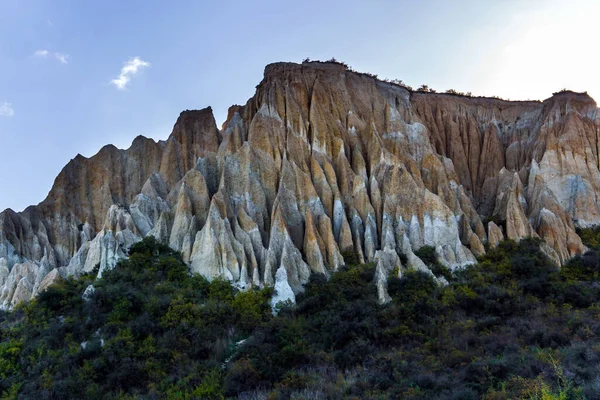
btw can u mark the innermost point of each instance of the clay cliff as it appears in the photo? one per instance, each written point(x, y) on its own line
point(320, 162)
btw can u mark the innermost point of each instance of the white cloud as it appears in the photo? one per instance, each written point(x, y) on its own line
point(6, 110)
point(131, 67)
point(61, 57)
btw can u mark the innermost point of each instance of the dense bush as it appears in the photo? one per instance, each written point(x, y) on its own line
point(509, 327)
point(590, 237)
point(512, 326)
point(150, 330)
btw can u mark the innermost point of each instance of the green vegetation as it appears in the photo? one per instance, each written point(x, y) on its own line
point(590, 237)
point(513, 326)
point(150, 330)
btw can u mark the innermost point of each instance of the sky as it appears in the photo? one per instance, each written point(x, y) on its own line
point(76, 75)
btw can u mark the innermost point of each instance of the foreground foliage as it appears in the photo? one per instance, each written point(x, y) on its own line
point(150, 328)
point(513, 326)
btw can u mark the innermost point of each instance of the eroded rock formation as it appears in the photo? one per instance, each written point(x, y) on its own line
point(321, 161)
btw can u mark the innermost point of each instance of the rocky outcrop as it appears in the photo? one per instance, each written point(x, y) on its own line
point(495, 235)
point(320, 162)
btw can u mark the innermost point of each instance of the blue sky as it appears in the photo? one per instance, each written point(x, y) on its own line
point(60, 62)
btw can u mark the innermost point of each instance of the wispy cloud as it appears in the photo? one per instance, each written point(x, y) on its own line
point(6, 110)
point(61, 57)
point(131, 67)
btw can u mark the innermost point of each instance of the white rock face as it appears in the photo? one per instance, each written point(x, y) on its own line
point(88, 292)
point(387, 261)
point(52, 277)
point(216, 251)
point(283, 290)
point(4, 271)
point(320, 163)
point(18, 285)
point(495, 234)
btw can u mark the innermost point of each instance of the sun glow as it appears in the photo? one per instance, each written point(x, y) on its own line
point(558, 49)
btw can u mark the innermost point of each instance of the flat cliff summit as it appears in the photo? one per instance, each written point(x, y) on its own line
point(320, 163)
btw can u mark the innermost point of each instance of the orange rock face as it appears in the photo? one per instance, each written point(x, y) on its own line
point(319, 162)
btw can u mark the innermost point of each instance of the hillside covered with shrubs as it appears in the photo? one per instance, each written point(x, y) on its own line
point(513, 326)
